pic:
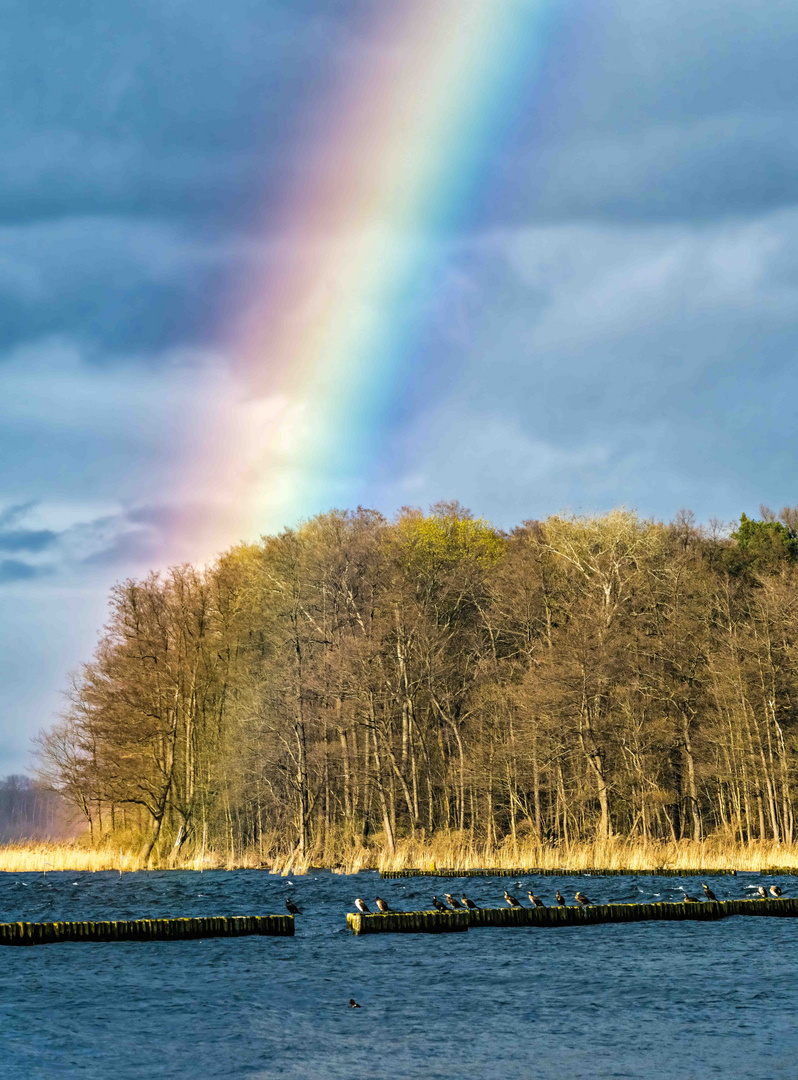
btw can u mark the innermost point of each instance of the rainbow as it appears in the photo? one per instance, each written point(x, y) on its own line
point(391, 161)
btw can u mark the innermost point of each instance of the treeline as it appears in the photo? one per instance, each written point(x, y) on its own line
point(29, 810)
point(360, 680)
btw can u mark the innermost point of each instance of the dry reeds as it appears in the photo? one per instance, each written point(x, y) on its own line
point(454, 851)
point(458, 854)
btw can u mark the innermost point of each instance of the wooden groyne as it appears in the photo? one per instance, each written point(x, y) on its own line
point(409, 922)
point(536, 871)
point(546, 917)
point(26, 933)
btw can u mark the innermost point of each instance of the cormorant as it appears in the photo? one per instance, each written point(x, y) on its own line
point(353, 1004)
point(582, 899)
point(439, 904)
point(762, 892)
point(451, 901)
point(468, 903)
point(513, 901)
point(382, 905)
point(535, 899)
point(361, 906)
point(689, 899)
point(560, 899)
point(292, 907)
point(775, 891)
point(708, 892)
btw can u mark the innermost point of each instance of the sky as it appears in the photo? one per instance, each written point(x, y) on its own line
point(269, 257)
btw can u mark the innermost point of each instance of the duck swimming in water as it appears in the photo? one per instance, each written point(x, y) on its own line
point(708, 892)
point(513, 901)
point(560, 899)
point(353, 1004)
point(292, 907)
point(535, 899)
point(468, 903)
point(450, 900)
point(361, 906)
point(582, 899)
point(382, 905)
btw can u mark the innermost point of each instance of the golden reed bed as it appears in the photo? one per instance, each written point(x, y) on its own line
point(449, 852)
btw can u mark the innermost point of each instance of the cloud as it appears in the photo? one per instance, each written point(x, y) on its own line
point(157, 109)
point(13, 514)
point(647, 365)
point(12, 570)
point(32, 540)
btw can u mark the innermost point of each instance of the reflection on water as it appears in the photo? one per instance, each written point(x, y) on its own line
point(660, 1000)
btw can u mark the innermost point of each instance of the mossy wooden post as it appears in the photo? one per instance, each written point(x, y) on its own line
point(536, 871)
point(409, 922)
point(146, 929)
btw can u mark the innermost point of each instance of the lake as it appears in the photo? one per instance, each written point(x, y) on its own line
point(661, 1000)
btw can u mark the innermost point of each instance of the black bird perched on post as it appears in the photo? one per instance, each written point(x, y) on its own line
point(560, 899)
point(382, 905)
point(353, 1004)
point(439, 904)
point(689, 899)
point(361, 906)
point(762, 892)
point(450, 900)
point(775, 891)
point(535, 899)
point(582, 899)
point(468, 903)
point(708, 892)
point(292, 907)
point(513, 901)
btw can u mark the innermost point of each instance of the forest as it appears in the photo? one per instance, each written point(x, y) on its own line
point(358, 681)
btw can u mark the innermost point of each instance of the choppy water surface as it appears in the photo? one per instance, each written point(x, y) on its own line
point(660, 1000)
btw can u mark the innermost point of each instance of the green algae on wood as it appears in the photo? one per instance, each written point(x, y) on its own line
point(547, 917)
point(408, 922)
point(24, 933)
point(528, 871)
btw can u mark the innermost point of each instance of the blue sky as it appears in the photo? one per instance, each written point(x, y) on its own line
point(614, 323)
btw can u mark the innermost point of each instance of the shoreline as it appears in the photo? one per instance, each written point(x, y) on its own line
point(441, 853)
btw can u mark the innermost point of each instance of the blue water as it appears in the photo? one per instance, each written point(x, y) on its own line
point(655, 1000)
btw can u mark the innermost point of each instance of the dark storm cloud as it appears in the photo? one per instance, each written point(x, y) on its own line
point(649, 111)
point(138, 134)
point(160, 108)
